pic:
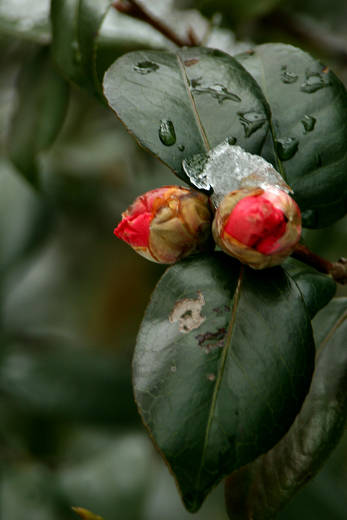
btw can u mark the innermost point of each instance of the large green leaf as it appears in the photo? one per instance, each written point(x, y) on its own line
point(261, 488)
point(41, 107)
point(75, 26)
point(309, 132)
point(88, 35)
point(223, 361)
point(181, 103)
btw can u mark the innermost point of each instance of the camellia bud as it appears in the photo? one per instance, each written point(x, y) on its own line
point(167, 224)
point(259, 227)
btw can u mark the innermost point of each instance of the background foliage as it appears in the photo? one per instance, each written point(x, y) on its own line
point(71, 296)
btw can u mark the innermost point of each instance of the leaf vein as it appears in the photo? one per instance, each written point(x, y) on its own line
point(191, 98)
point(221, 370)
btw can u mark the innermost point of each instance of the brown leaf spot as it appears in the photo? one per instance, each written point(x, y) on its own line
point(221, 310)
point(211, 340)
point(192, 61)
point(188, 313)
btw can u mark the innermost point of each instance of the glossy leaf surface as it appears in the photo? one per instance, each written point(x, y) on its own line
point(263, 487)
point(309, 133)
point(202, 94)
point(316, 288)
point(39, 114)
point(222, 363)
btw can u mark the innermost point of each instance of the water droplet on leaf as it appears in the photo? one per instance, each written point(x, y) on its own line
point(217, 91)
point(286, 147)
point(251, 121)
point(195, 82)
point(173, 369)
point(211, 377)
point(145, 67)
point(167, 132)
point(314, 81)
point(288, 77)
point(308, 123)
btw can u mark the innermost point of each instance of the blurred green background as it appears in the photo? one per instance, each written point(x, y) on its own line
point(72, 296)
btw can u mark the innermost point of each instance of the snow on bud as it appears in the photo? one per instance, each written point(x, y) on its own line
point(259, 227)
point(167, 224)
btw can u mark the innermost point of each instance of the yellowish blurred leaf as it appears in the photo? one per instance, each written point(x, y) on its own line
point(85, 514)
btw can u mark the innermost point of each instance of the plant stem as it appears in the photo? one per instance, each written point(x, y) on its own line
point(338, 270)
point(134, 9)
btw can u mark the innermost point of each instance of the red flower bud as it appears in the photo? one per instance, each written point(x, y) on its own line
point(167, 224)
point(258, 227)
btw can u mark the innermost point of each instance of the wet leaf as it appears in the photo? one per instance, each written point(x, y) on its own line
point(204, 94)
point(309, 134)
point(262, 488)
point(39, 114)
point(222, 364)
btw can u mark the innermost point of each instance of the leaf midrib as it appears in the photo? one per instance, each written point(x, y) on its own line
point(192, 101)
point(218, 383)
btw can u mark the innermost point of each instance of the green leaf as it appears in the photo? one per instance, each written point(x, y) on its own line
point(263, 487)
point(309, 133)
point(42, 103)
point(25, 19)
point(316, 288)
point(88, 35)
point(85, 514)
point(328, 319)
point(181, 103)
point(91, 16)
point(75, 26)
point(222, 364)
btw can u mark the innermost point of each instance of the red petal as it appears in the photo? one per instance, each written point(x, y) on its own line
point(144, 203)
point(135, 229)
point(256, 223)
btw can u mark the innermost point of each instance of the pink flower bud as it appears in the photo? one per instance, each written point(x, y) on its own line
point(259, 227)
point(167, 224)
